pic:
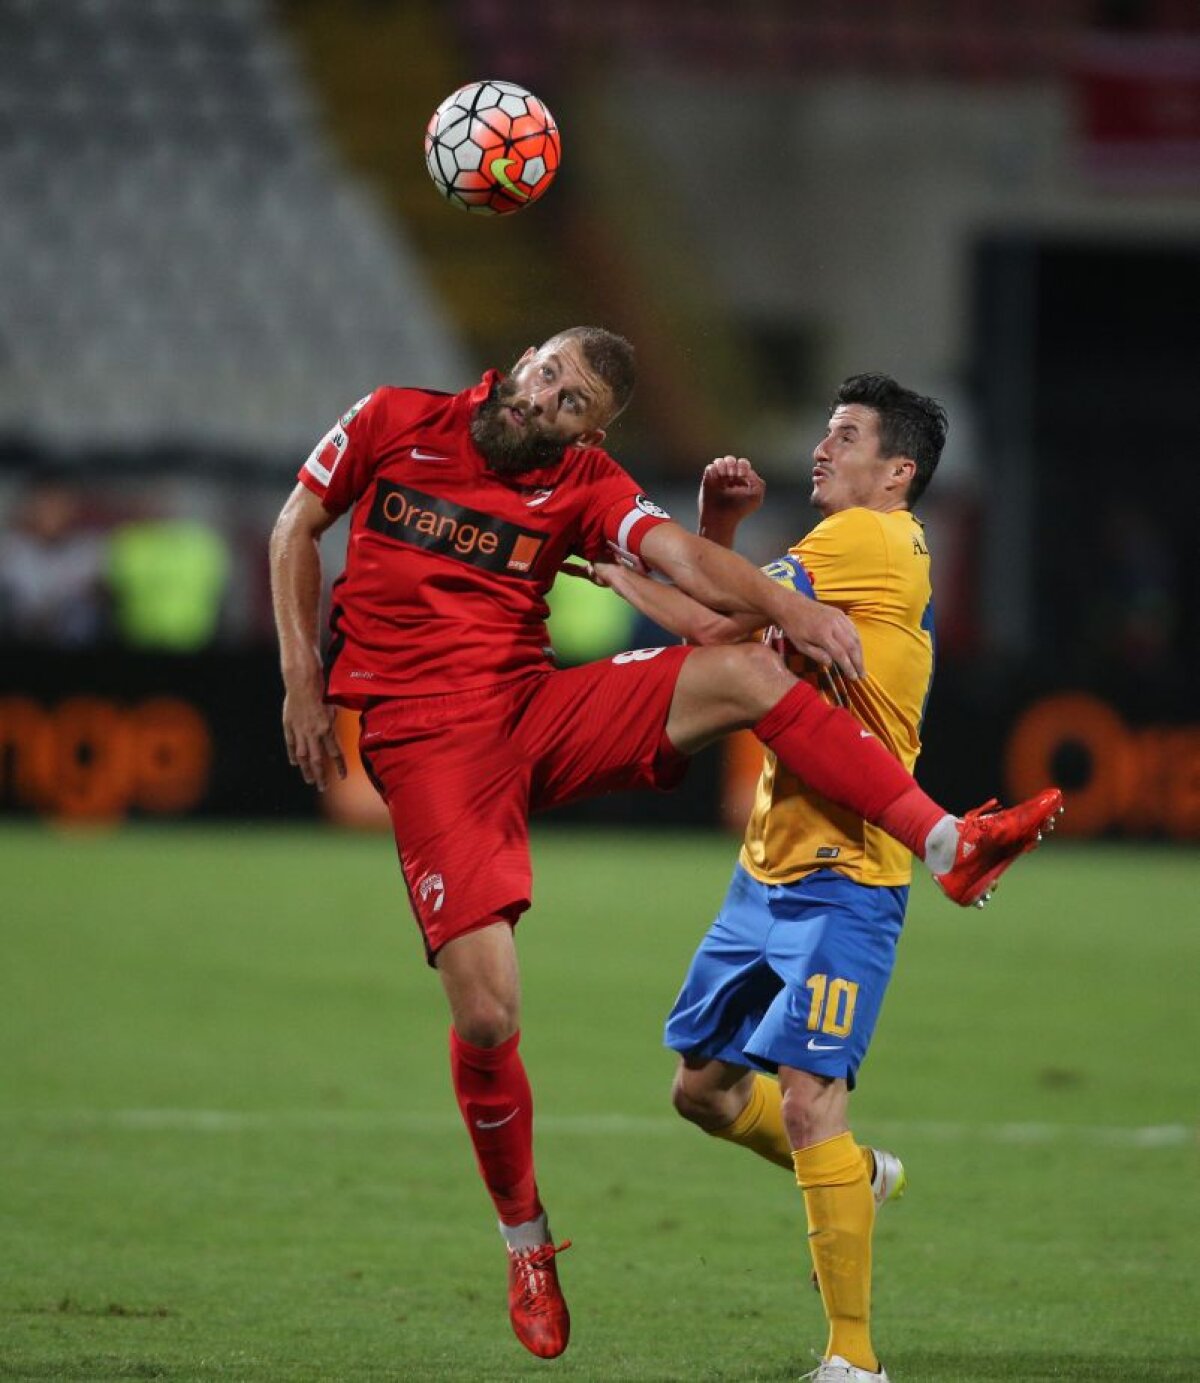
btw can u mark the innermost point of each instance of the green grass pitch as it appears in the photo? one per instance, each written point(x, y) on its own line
point(229, 1150)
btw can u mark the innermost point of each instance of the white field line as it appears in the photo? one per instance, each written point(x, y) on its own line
point(583, 1125)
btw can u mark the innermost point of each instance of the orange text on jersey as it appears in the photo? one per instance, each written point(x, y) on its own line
point(465, 537)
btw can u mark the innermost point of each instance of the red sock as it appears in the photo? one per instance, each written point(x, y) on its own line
point(827, 748)
point(493, 1093)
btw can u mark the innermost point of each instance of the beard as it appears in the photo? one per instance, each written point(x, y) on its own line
point(507, 450)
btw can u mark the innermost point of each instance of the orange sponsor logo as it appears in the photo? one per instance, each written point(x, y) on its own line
point(93, 758)
point(1140, 781)
point(465, 538)
point(438, 524)
point(524, 553)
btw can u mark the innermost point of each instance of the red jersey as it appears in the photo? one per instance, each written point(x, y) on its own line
point(448, 563)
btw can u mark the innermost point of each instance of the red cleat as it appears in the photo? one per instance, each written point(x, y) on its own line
point(536, 1307)
point(990, 838)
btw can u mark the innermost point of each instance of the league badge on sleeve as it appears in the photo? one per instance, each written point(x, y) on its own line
point(351, 413)
point(647, 506)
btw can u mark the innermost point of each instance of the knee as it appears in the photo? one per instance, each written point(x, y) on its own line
point(700, 1105)
point(757, 678)
point(685, 1102)
point(486, 1020)
point(810, 1114)
point(479, 974)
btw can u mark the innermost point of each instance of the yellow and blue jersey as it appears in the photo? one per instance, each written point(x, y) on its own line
point(875, 567)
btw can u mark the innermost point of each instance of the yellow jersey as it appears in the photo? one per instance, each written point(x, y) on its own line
point(875, 567)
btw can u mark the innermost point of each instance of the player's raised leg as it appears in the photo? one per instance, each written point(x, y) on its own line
point(479, 974)
point(748, 686)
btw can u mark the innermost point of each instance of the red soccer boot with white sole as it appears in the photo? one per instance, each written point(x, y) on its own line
point(990, 838)
point(536, 1306)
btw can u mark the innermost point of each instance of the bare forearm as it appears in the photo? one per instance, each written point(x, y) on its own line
point(672, 609)
point(726, 582)
point(296, 598)
point(717, 527)
point(714, 576)
point(308, 723)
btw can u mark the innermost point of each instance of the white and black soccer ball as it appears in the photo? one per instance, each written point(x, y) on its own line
point(492, 148)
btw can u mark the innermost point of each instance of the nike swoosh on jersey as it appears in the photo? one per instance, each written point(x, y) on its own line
point(419, 455)
point(815, 1046)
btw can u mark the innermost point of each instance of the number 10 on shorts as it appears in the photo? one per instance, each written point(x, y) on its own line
point(832, 1008)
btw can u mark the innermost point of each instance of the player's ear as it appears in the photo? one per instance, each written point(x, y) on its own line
point(591, 438)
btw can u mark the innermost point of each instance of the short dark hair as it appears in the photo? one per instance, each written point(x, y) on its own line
point(910, 424)
point(610, 355)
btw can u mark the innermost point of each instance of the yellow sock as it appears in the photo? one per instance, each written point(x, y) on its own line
point(759, 1126)
point(841, 1216)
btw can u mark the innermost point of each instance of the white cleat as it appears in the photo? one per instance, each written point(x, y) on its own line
point(890, 1180)
point(838, 1370)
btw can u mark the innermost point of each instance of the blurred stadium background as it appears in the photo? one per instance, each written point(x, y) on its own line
point(218, 232)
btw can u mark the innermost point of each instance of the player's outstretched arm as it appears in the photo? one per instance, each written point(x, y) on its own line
point(671, 608)
point(296, 595)
point(730, 585)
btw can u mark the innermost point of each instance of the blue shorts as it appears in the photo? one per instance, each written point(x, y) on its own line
point(791, 975)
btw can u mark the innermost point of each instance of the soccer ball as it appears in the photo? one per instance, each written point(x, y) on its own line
point(492, 148)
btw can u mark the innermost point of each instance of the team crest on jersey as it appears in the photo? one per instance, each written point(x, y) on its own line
point(432, 886)
point(788, 572)
point(647, 506)
point(351, 413)
point(467, 535)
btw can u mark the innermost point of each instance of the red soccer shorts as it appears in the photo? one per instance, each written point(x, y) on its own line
point(461, 774)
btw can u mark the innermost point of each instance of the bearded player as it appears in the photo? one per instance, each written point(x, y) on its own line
point(463, 507)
